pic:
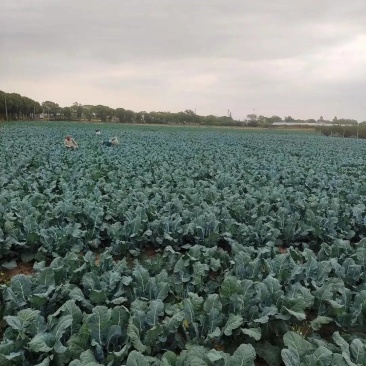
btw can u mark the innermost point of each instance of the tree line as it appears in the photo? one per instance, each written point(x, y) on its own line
point(13, 106)
point(338, 130)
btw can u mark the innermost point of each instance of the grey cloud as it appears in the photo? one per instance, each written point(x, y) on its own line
point(120, 31)
point(276, 56)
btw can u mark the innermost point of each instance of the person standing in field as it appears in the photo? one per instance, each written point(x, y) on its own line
point(112, 142)
point(70, 143)
point(97, 132)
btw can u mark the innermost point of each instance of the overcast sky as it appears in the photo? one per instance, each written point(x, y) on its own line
point(303, 58)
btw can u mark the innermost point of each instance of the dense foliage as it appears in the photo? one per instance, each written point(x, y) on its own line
point(358, 131)
point(23, 108)
point(182, 247)
point(14, 106)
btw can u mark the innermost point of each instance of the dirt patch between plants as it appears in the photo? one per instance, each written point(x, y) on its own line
point(22, 268)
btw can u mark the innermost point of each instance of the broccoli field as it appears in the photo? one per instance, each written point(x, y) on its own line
point(181, 247)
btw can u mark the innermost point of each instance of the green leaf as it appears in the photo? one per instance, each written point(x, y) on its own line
point(295, 342)
point(216, 332)
point(267, 312)
point(134, 335)
point(271, 354)
point(280, 266)
point(14, 322)
point(338, 360)
point(243, 356)
point(41, 343)
point(212, 302)
point(120, 316)
point(9, 265)
point(98, 324)
point(46, 277)
point(112, 278)
point(348, 359)
point(152, 335)
point(297, 312)
point(141, 276)
point(61, 326)
point(290, 357)
point(358, 352)
point(214, 355)
point(98, 296)
point(119, 300)
point(317, 323)
point(195, 361)
point(169, 358)
point(234, 322)
point(118, 356)
point(188, 309)
point(86, 359)
point(113, 333)
point(214, 320)
point(230, 286)
point(24, 320)
point(27, 257)
point(254, 333)
point(90, 281)
point(45, 362)
point(156, 309)
point(70, 308)
point(19, 290)
point(344, 346)
point(321, 357)
point(324, 293)
point(136, 359)
point(126, 280)
point(274, 287)
point(172, 324)
point(196, 301)
point(79, 342)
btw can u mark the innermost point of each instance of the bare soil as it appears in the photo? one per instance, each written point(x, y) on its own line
point(21, 268)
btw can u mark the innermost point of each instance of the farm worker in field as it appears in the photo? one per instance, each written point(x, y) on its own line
point(112, 142)
point(97, 132)
point(70, 143)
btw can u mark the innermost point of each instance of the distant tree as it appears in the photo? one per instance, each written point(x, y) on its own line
point(67, 112)
point(88, 112)
point(18, 107)
point(289, 119)
point(140, 117)
point(51, 108)
point(347, 121)
point(2, 104)
point(77, 110)
point(14, 103)
point(252, 117)
point(121, 115)
point(274, 119)
point(103, 112)
point(192, 117)
point(130, 116)
point(125, 116)
point(262, 119)
point(30, 107)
